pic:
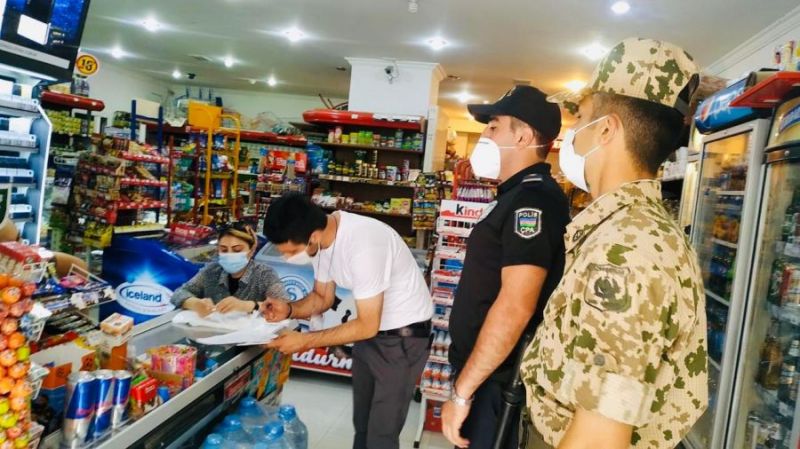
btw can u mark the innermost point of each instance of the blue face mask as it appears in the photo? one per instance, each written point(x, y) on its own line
point(233, 263)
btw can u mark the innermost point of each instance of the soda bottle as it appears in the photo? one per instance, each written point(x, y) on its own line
point(787, 383)
point(296, 431)
point(769, 372)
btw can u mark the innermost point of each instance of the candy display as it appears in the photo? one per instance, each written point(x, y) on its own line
point(175, 360)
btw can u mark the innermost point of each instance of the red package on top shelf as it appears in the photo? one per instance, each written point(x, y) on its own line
point(19, 252)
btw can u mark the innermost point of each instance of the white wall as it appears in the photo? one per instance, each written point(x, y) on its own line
point(117, 87)
point(286, 107)
point(413, 92)
point(757, 52)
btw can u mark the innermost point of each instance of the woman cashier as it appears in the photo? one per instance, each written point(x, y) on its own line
point(236, 282)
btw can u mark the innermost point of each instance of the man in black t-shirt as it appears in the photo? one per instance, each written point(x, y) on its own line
point(514, 261)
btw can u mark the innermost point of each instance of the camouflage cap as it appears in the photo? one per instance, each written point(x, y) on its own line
point(648, 69)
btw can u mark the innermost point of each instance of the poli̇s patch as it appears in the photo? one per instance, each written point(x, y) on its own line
point(528, 222)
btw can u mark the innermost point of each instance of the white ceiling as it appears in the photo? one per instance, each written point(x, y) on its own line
point(491, 42)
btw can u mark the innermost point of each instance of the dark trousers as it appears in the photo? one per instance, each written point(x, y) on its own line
point(385, 373)
point(480, 426)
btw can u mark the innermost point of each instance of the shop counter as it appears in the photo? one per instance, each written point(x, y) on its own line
point(184, 420)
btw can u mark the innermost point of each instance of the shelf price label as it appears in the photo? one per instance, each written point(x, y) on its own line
point(87, 65)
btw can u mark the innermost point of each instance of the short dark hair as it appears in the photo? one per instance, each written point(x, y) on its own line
point(652, 131)
point(293, 218)
point(538, 138)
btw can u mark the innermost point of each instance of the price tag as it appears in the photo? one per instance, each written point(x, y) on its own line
point(86, 64)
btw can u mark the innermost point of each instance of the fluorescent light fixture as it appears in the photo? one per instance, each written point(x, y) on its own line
point(228, 61)
point(594, 51)
point(271, 81)
point(151, 24)
point(117, 52)
point(464, 97)
point(176, 74)
point(437, 43)
point(575, 85)
point(621, 7)
point(294, 34)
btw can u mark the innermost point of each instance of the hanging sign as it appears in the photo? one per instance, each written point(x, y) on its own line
point(87, 65)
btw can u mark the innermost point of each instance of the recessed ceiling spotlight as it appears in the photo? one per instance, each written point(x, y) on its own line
point(151, 24)
point(485, 101)
point(253, 81)
point(271, 81)
point(437, 43)
point(575, 85)
point(413, 6)
point(117, 52)
point(453, 77)
point(594, 51)
point(228, 61)
point(621, 7)
point(176, 74)
point(464, 97)
point(294, 34)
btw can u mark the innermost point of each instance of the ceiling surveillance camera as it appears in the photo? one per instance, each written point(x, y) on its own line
point(389, 70)
point(191, 76)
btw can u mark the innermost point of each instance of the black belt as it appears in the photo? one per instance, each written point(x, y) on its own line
point(421, 329)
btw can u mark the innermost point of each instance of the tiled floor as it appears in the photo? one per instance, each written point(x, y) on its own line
point(325, 405)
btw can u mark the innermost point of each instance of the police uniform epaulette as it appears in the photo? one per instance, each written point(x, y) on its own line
point(532, 180)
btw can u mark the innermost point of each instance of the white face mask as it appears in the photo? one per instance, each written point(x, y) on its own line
point(572, 164)
point(301, 258)
point(485, 158)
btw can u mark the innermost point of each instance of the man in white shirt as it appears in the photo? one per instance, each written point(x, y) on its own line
point(392, 328)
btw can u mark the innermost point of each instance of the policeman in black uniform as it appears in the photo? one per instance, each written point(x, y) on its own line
point(514, 261)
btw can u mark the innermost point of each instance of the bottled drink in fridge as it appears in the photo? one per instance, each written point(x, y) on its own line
point(787, 383)
point(776, 281)
point(296, 431)
point(213, 441)
point(273, 436)
point(769, 370)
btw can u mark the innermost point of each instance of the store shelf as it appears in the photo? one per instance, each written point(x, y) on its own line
point(22, 113)
point(138, 229)
point(715, 364)
point(443, 301)
point(328, 117)
point(718, 298)
point(144, 158)
point(771, 400)
point(367, 212)
point(730, 192)
point(349, 146)
point(376, 182)
point(19, 149)
point(725, 243)
point(142, 182)
point(769, 92)
point(246, 173)
point(440, 323)
point(72, 101)
point(244, 193)
point(140, 206)
point(672, 178)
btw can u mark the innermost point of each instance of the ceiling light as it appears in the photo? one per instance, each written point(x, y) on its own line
point(621, 7)
point(253, 81)
point(575, 85)
point(151, 24)
point(485, 101)
point(272, 82)
point(413, 6)
point(228, 61)
point(437, 43)
point(464, 97)
point(176, 74)
point(294, 34)
point(117, 52)
point(594, 51)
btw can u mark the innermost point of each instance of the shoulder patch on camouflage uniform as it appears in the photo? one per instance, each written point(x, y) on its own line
point(607, 288)
point(527, 222)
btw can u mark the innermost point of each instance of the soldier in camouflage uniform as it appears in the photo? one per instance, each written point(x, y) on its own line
point(620, 359)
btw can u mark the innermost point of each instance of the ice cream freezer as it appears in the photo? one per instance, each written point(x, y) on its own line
point(185, 420)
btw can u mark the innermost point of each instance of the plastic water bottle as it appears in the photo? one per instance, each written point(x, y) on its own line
point(233, 433)
point(213, 441)
point(296, 431)
point(252, 415)
point(272, 437)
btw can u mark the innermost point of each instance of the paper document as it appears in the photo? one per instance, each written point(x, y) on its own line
point(237, 328)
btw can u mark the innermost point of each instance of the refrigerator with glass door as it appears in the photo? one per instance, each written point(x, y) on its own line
point(764, 407)
point(726, 208)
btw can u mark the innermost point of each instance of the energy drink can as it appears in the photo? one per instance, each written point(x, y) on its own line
point(101, 423)
point(122, 393)
point(79, 408)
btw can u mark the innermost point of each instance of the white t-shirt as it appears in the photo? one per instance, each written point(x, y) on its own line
point(369, 257)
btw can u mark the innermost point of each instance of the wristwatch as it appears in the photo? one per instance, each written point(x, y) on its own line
point(458, 400)
point(257, 306)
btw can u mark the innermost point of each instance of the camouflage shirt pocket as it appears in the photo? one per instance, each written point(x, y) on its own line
point(606, 288)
